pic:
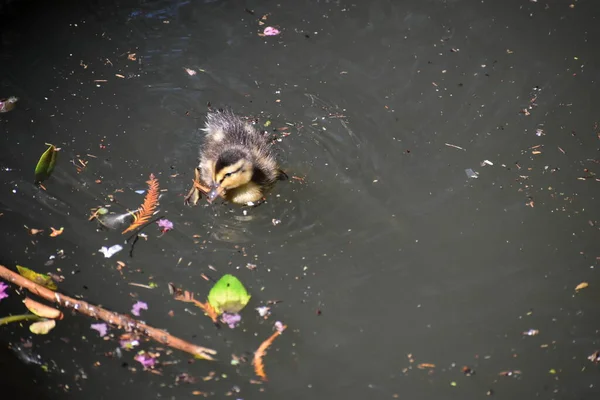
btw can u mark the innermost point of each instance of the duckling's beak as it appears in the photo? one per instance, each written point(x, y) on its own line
point(215, 191)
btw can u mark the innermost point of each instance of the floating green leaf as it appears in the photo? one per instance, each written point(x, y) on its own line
point(46, 164)
point(38, 278)
point(228, 295)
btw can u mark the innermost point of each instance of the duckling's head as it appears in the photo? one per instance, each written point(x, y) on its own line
point(232, 169)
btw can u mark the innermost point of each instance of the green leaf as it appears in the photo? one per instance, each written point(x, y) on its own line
point(228, 295)
point(40, 279)
point(46, 164)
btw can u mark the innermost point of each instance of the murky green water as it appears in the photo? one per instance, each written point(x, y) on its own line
point(387, 255)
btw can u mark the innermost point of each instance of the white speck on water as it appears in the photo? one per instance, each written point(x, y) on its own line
point(471, 174)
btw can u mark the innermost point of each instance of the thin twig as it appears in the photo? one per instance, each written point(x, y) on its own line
point(455, 146)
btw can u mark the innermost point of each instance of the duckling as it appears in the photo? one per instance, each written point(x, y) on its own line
point(236, 162)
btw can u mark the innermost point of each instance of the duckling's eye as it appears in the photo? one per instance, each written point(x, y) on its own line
point(227, 175)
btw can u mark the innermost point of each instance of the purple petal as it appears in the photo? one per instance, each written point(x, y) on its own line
point(231, 319)
point(144, 359)
point(279, 326)
point(140, 305)
point(3, 287)
point(270, 31)
point(165, 225)
point(101, 328)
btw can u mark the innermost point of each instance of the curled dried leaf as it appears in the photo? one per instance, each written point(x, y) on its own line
point(56, 232)
point(582, 285)
point(42, 327)
point(42, 310)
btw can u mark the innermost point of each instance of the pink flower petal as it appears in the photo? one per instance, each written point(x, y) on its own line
point(101, 328)
point(165, 225)
point(3, 287)
point(144, 359)
point(231, 319)
point(270, 31)
point(140, 305)
point(190, 71)
point(279, 326)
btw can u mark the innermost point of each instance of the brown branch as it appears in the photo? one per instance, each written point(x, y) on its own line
point(120, 321)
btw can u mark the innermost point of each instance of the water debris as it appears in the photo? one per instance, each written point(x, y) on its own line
point(190, 71)
point(42, 310)
point(102, 328)
point(146, 210)
point(471, 174)
point(454, 146)
point(129, 341)
point(486, 162)
point(514, 374)
point(279, 327)
point(113, 318)
point(264, 311)
point(145, 359)
point(111, 251)
point(141, 285)
point(42, 327)
point(185, 296)
point(271, 31)
point(595, 357)
point(40, 279)
point(7, 105)
point(46, 164)
point(56, 232)
point(531, 332)
point(3, 289)
point(275, 222)
point(165, 225)
point(259, 368)
point(232, 320)
point(582, 285)
point(137, 307)
point(228, 295)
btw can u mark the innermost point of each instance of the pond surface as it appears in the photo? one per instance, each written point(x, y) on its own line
point(394, 269)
